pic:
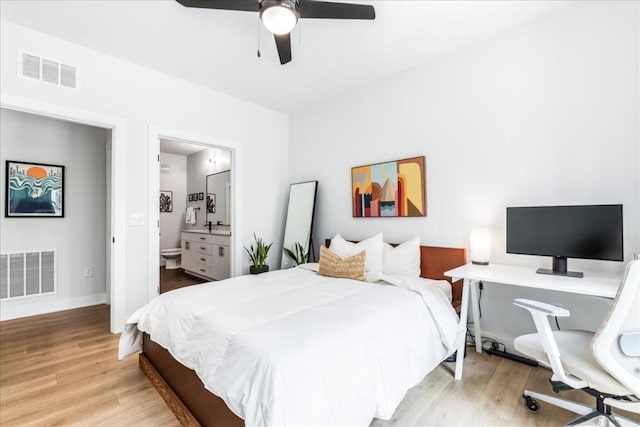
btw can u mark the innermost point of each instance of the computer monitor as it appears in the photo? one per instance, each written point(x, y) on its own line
point(587, 232)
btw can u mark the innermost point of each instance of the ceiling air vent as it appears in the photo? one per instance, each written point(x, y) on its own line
point(68, 76)
point(47, 70)
point(50, 71)
point(30, 66)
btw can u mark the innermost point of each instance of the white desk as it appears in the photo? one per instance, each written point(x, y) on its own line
point(600, 286)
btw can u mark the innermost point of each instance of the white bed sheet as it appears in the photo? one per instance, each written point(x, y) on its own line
point(291, 347)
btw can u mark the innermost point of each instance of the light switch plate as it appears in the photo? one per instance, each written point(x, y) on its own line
point(137, 219)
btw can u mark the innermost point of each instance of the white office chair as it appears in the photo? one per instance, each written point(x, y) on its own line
point(605, 364)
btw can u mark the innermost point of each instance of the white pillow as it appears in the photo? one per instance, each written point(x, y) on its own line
point(372, 247)
point(403, 260)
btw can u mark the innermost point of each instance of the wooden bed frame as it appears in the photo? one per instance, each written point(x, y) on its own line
point(193, 405)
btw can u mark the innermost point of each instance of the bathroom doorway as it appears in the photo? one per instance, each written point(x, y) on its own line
point(191, 236)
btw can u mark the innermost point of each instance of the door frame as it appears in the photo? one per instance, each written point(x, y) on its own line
point(118, 129)
point(155, 134)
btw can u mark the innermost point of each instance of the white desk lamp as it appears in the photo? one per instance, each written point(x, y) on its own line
point(480, 246)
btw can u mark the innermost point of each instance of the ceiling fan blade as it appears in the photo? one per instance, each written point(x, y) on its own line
point(323, 9)
point(243, 5)
point(283, 43)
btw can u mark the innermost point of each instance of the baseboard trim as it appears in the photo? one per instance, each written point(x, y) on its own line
point(47, 304)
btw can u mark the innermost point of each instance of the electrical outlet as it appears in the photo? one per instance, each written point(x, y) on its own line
point(88, 272)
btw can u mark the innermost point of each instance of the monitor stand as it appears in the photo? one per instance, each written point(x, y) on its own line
point(560, 268)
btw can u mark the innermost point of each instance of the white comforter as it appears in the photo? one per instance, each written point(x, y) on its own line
point(294, 348)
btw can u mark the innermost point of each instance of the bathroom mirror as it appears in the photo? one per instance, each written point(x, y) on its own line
point(299, 223)
point(217, 198)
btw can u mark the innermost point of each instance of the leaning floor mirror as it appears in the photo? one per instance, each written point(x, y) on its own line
point(297, 244)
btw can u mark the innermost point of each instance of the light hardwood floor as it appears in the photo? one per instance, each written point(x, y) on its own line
point(62, 369)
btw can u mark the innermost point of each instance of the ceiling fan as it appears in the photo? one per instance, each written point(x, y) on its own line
point(281, 16)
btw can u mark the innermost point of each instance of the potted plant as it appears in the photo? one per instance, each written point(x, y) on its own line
point(298, 254)
point(258, 255)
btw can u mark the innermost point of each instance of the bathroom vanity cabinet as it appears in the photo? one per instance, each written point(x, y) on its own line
point(206, 255)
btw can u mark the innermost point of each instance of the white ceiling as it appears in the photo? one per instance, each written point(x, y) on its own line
point(217, 49)
point(180, 148)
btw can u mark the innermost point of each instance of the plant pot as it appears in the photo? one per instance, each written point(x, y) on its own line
point(257, 270)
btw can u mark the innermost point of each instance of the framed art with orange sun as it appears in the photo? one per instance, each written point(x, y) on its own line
point(34, 190)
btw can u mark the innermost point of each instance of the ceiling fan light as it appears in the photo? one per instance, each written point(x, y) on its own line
point(280, 17)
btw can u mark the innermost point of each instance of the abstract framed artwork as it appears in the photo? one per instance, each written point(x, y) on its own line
point(200, 196)
point(34, 190)
point(390, 189)
point(166, 201)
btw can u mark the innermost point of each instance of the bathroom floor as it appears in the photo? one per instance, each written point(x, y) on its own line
point(176, 278)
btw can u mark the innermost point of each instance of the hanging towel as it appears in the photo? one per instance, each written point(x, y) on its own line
point(190, 216)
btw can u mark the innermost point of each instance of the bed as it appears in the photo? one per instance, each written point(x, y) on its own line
point(342, 371)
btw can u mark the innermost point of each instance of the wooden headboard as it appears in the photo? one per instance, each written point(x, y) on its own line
point(434, 261)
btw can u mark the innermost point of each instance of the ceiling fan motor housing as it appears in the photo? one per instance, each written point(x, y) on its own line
point(279, 16)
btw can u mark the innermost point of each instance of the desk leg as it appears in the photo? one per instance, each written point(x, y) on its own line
point(462, 329)
point(476, 316)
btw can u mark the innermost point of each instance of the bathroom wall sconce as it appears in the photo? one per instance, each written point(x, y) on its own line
point(480, 246)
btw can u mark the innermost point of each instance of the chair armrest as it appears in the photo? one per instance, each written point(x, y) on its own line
point(540, 311)
point(545, 308)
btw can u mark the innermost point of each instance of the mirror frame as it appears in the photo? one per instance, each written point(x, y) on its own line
point(227, 218)
point(290, 212)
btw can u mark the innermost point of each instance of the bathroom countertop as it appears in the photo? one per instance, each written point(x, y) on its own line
point(214, 232)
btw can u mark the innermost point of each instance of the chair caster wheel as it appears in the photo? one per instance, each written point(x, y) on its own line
point(531, 404)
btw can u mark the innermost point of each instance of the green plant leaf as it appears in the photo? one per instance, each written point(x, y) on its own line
point(259, 254)
point(298, 254)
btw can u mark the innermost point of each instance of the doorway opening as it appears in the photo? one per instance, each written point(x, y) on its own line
point(110, 270)
point(194, 237)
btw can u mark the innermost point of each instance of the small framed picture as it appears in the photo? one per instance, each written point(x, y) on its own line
point(200, 196)
point(191, 197)
point(211, 203)
point(166, 201)
point(34, 190)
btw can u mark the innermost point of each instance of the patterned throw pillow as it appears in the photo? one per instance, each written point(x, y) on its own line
point(333, 265)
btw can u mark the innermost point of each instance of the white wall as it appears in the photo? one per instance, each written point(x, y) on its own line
point(143, 97)
point(79, 237)
point(173, 177)
point(546, 114)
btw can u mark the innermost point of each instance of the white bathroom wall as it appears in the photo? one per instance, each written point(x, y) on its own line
point(545, 114)
point(79, 237)
point(173, 177)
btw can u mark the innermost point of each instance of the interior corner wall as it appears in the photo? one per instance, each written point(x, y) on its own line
point(142, 98)
point(80, 237)
point(173, 177)
point(546, 114)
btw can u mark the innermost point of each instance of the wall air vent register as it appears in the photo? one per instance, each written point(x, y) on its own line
point(27, 273)
point(33, 66)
